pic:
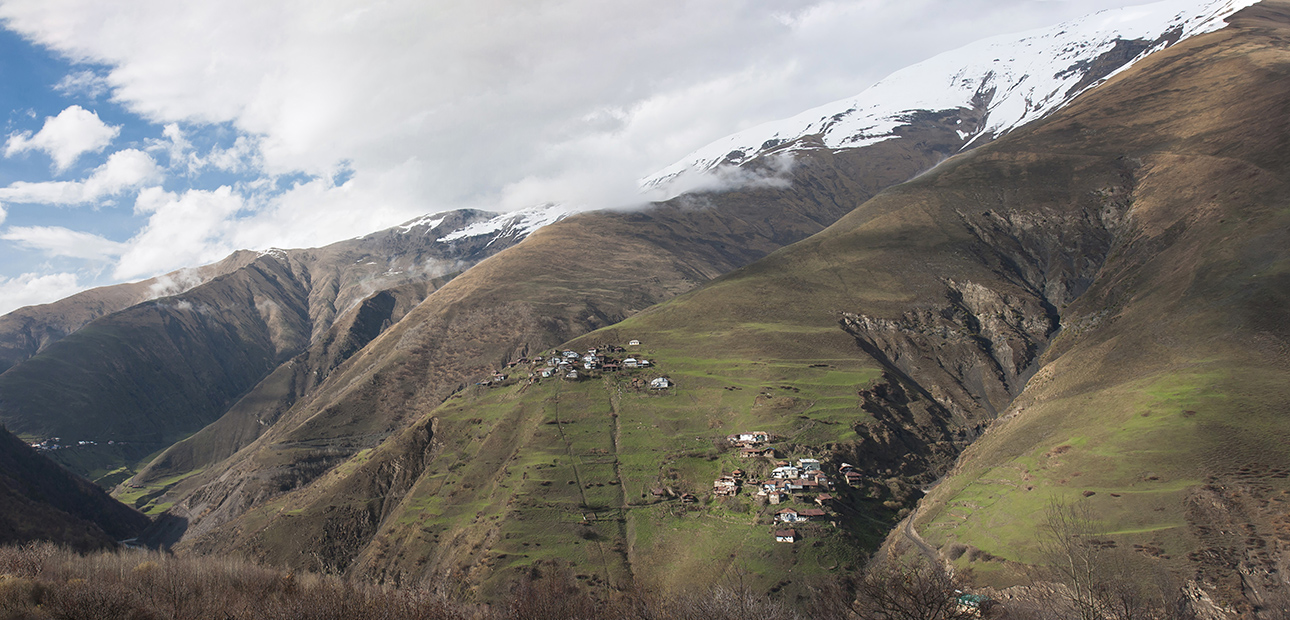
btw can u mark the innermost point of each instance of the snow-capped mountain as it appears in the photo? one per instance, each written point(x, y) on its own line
point(513, 226)
point(1010, 79)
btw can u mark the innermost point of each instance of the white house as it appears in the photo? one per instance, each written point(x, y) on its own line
point(809, 464)
point(630, 363)
point(787, 536)
point(634, 343)
point(660, 383)
point(784, 473)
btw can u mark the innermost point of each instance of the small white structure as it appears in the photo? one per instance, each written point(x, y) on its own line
point(643, 363)
point(634, 343)
point(809, 465)
point(787, 515)
point(571, 354)
point(784, 473)
point(630, 363)
point(660, 383)
point(786, 536)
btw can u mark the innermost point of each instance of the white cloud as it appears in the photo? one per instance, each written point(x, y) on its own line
point(30, 289)
point(183, 230)
point(83, 83)
point(74, 132)
point(59, 241)
point(123, 170)
point(435, 104)
point(494, 100)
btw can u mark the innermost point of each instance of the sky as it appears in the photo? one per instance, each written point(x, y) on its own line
point(146, 136)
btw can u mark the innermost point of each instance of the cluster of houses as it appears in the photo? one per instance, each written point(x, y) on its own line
point(53, 443)
point(573, 365)
point(785, 481)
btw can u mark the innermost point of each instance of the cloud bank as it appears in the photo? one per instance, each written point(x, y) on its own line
point(380, 112)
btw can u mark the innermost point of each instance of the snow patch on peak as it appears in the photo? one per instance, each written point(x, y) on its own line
point(1016, 78)
point(430, 221)
point(519, 224)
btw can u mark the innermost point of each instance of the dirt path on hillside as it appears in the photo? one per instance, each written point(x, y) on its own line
point(907, 528)
point(624, 507)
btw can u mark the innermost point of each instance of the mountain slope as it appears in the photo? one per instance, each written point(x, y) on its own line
point(1160, 402)
point(1124, 257)
point(150, 374)
point(27, 331)
point(41, 501)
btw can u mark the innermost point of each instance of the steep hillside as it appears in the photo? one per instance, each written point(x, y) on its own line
point(41, 501)
point(1111, 280)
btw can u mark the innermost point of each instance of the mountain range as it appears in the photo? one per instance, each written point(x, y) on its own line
point(1045, 268)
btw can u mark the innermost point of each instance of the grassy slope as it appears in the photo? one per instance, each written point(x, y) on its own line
point(1162, 400)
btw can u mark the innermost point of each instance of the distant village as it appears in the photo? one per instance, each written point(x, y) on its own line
point(55, 443)
point(786, 481)
point(573, 366)
point(802, 481)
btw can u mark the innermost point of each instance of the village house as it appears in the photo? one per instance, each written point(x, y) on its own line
point(787, 515)
point(546, 372)
point(808, 464)
point(775, 497)
point(725, 486)
point(573, 374)
point(853, 478)
point(630, 363)
point(688, 498)
point(643, 363)
point(660, 383)
point(786, 536)
point(634, 343)
point(811, 513)
point(757, 452)
point(823, 498)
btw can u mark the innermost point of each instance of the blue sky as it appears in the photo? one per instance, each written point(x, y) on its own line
point(148, 136)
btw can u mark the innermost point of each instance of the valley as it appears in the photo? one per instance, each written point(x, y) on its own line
point(1088, 310)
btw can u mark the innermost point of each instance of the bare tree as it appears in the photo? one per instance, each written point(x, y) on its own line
point(911, 590)
point(1102, 581)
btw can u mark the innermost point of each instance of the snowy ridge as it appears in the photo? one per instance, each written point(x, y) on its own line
point(519, 224)
point(1018, 77)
